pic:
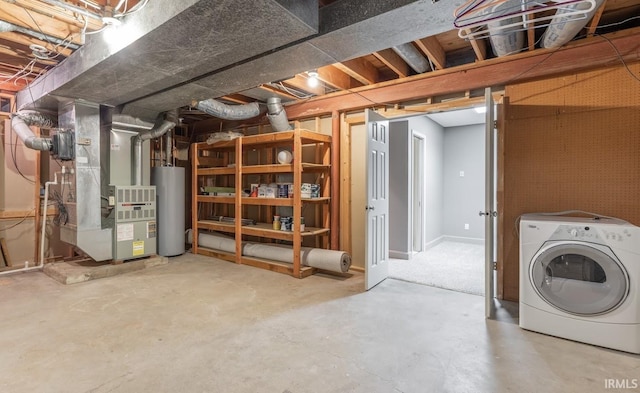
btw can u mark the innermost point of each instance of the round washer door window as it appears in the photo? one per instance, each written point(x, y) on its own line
point(579, 279)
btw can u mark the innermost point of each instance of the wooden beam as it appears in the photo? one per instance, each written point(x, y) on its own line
point(360, 69)
point(531, 32)
point(281, 93)
point(35, 21)
point(593, 52)
point(431, 47)
point(393, 61)
point(237, 98)
point(479, 48)
point(334, 77)
point(299, 82)
point(596, 19)
point(25, 40)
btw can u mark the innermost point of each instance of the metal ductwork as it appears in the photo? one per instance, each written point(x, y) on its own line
point(227, 112)
point(277, 115)
point(413, 57)
point(563, 28)
point(170, 57)
point(20, 123)
point(159, 129)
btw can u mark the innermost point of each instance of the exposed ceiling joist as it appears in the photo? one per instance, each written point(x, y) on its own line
point(299, 82)
point(593, 52)
point(431, 47)
point(360, 69)
point(596, 19)
point(393, 61)
point(237, 98)
point(35, 21)
point(334, 77)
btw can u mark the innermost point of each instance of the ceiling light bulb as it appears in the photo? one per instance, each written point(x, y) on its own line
point(109, 21)
point(480, 109)
point(313, 81)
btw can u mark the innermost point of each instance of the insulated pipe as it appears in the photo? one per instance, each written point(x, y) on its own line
point(277, 115)
point(563, 28)
point(161, 127)
point(507, 40)
point(20, 125)
point(411, 56)
point(227, 112)
point(73, 8)
point(8, 27)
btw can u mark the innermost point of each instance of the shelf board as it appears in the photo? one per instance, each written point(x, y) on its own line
point(269, 168)
point(211, 225)
point(225, 170)
point(279, 267)
point(266, 230)
point(216, 199)
point(267, 201)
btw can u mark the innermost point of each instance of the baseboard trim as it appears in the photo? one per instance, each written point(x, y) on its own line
point(399, 255)
point(433, 243)
point(471, 240)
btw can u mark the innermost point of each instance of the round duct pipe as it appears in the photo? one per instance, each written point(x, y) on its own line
point(277, 115)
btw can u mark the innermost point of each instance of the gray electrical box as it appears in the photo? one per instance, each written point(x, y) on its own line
point(134, 214)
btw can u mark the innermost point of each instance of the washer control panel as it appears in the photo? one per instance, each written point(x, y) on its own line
point(590, 234)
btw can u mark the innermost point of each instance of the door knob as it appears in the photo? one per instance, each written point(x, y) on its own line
point(369, 208)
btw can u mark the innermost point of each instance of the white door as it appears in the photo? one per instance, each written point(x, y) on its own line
point(377, 215)
point(489, 206)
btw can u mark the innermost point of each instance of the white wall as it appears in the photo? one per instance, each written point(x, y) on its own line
point(464, 150)
point(434, 167)
point(399, 207)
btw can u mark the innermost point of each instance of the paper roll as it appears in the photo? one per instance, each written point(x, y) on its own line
point(331, 260)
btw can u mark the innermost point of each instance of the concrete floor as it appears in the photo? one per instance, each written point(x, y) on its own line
point(201, 325)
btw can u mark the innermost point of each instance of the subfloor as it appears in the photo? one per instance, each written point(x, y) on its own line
point(203, 325)
point(452, 265)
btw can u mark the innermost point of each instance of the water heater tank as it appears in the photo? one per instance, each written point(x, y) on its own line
point(170, 190)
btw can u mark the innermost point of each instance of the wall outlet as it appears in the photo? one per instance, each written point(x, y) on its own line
point(466, 226)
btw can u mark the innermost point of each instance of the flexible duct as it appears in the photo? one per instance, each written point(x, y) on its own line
point(508, 40)
point(413, 57)
point(20, 123)
point(159, 129)
point(227, 112)
point(277, 115)
point(563, 28)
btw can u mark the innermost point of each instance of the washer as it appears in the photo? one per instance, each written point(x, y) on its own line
point(579, 279)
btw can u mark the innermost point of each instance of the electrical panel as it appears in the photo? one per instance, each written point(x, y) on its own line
point(134, 213)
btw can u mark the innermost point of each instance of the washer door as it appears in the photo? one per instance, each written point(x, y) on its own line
point(579, 278)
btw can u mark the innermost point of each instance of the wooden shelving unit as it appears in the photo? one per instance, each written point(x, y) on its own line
point(231, 163)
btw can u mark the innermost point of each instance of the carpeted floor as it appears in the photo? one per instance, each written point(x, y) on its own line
point(451, 265)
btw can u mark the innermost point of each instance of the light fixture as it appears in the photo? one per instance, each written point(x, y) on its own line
point(480, 109)
point(312, 80)
point(111, 21)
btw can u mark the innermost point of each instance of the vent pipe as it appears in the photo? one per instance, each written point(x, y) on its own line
point(412, 57)
point(160, 128)
point(227, 112)
point(277, 115)
point(172, 116)
point(20, 123)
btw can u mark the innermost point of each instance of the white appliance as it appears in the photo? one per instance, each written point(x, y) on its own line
point(579, 279)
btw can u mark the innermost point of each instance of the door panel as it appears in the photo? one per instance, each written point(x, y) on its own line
point(377, 224)
point(489, 205)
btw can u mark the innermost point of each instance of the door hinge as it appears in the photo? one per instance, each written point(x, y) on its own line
point(495, 124)
point(495, 265)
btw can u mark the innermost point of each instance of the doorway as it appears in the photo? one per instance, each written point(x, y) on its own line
point(446, 190)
